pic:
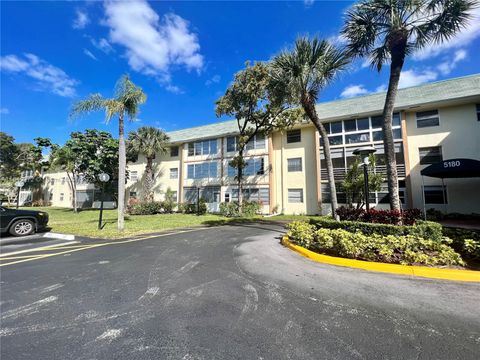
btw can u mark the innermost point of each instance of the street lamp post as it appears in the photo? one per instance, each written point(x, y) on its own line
point(19, 184)
point(364, 154)
point(103, 179)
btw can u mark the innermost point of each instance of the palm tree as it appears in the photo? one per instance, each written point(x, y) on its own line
point(386, 31)
point(128, 98)
point(148, 141)
point(301, 74)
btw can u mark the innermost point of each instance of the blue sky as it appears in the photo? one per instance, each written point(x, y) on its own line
point(183, 54)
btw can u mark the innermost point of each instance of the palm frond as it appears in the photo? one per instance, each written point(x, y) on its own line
point(94, 102)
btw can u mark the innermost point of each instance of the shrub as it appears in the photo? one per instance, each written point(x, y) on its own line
point(144, 208)
point(41, 202)
point(301, 232)
point(408, 217)
point(169, 202)
point(465, 241)
point(382, 216)
point(229, 209)
point(192, 208)
point(250, 208)
point(404, 249)
point(425, 229)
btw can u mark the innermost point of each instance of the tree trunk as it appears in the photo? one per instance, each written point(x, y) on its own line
point(388, 143)
point(240, 180)
point(73, 187)
point(121, 172)
point(148, 181)
point(309, 108)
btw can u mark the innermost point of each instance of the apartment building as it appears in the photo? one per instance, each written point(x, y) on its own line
point(286, 170)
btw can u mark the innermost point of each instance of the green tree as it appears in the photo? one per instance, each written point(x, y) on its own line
point(148, 141)
point(386, 31)
point(127, 100)
point(354, 183)
point(254, 102)
point(301, 74)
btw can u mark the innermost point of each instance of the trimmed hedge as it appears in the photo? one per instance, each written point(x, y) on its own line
point(425, 229)
point(379, 216)
point(465, 241)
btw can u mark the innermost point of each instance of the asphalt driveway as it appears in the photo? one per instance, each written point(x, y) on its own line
point(229, 292)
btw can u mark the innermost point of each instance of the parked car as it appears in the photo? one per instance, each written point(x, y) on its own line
point(22, 222)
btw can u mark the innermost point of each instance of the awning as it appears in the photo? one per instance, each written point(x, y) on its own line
point(453, 168)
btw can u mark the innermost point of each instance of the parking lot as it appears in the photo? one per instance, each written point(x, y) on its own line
point(230, 292)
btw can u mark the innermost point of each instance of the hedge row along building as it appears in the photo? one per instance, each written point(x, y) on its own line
point(286, 171)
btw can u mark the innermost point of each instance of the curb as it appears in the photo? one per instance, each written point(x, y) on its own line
point(417, 271)
point(48, 235)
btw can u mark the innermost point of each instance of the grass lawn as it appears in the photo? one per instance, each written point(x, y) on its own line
point(84, 223)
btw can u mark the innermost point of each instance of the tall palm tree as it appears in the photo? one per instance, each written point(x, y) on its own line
point(128, 98)
point(386, 31)
point(148, 141)
point(302, 73)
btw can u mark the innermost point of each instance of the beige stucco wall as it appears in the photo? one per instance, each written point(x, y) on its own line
point(306, 180)
point(459, 137)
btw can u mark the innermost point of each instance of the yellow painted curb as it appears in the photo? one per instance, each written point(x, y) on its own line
point(421, 271)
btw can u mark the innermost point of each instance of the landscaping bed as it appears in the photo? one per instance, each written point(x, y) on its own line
point(420, 244)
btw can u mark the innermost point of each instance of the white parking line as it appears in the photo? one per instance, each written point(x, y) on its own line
point(37, 249)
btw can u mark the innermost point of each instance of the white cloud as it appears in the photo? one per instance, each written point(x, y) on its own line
point(102, 44)
point(308, 3)
point(413, 77)
point(48, 77)
point(173, 89)
point(381, 88)
point(461, 40)
point(353, 90)
point(214, 80)
point(447, 66)
point(153, 44)
point(89, 54)
point(81, 20)
point(4, 111)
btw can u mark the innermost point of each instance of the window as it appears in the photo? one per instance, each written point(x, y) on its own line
point(63, 180)
point(174, 151)
point(205, 147)
point(295, 195)
point(254, 167)
point(258, 142)
point(133, 175)
point(261, 195)
point(357, 138)
point(427, 118)
point(133, 194)
point(334, 127)
point(227, 197)
point(294, 164)
point(62, 195)
point(435, 195)
point(430, 155)
point(231, 143)
point(478, 112)
point(294, 136)
point(202, 170)
point(174, 173)
point(52, 182)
